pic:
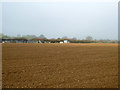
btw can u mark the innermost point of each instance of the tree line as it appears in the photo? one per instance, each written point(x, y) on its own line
point(88, 39)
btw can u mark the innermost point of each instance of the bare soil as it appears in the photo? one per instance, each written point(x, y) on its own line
point(59, 65)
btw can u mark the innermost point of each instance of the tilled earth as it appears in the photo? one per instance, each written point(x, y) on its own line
point(59, 65)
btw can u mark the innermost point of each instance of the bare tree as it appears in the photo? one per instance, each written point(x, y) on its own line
point(18, 35)
point(64, 37)
point(74, 38)
point(29, 36)
point(0, 35)
point(89, 38)
point(42, 36)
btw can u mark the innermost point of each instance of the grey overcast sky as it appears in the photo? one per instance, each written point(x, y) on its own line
point(58, 19)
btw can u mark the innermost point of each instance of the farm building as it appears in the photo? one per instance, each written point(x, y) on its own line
point(13, 40)
point(61, 42)
point(35, 40)
point(66, 41)
point(38, 40)
point(32, 41)
point(53, 41)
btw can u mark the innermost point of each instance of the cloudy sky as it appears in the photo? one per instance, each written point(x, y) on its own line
point(58, 19)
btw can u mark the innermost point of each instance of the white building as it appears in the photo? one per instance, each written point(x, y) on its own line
point(66, 41)
point(61, 42)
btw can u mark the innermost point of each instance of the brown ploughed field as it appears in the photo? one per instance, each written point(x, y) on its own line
point(59, 65)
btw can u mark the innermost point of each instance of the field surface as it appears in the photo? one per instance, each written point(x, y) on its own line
point(60, 65)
